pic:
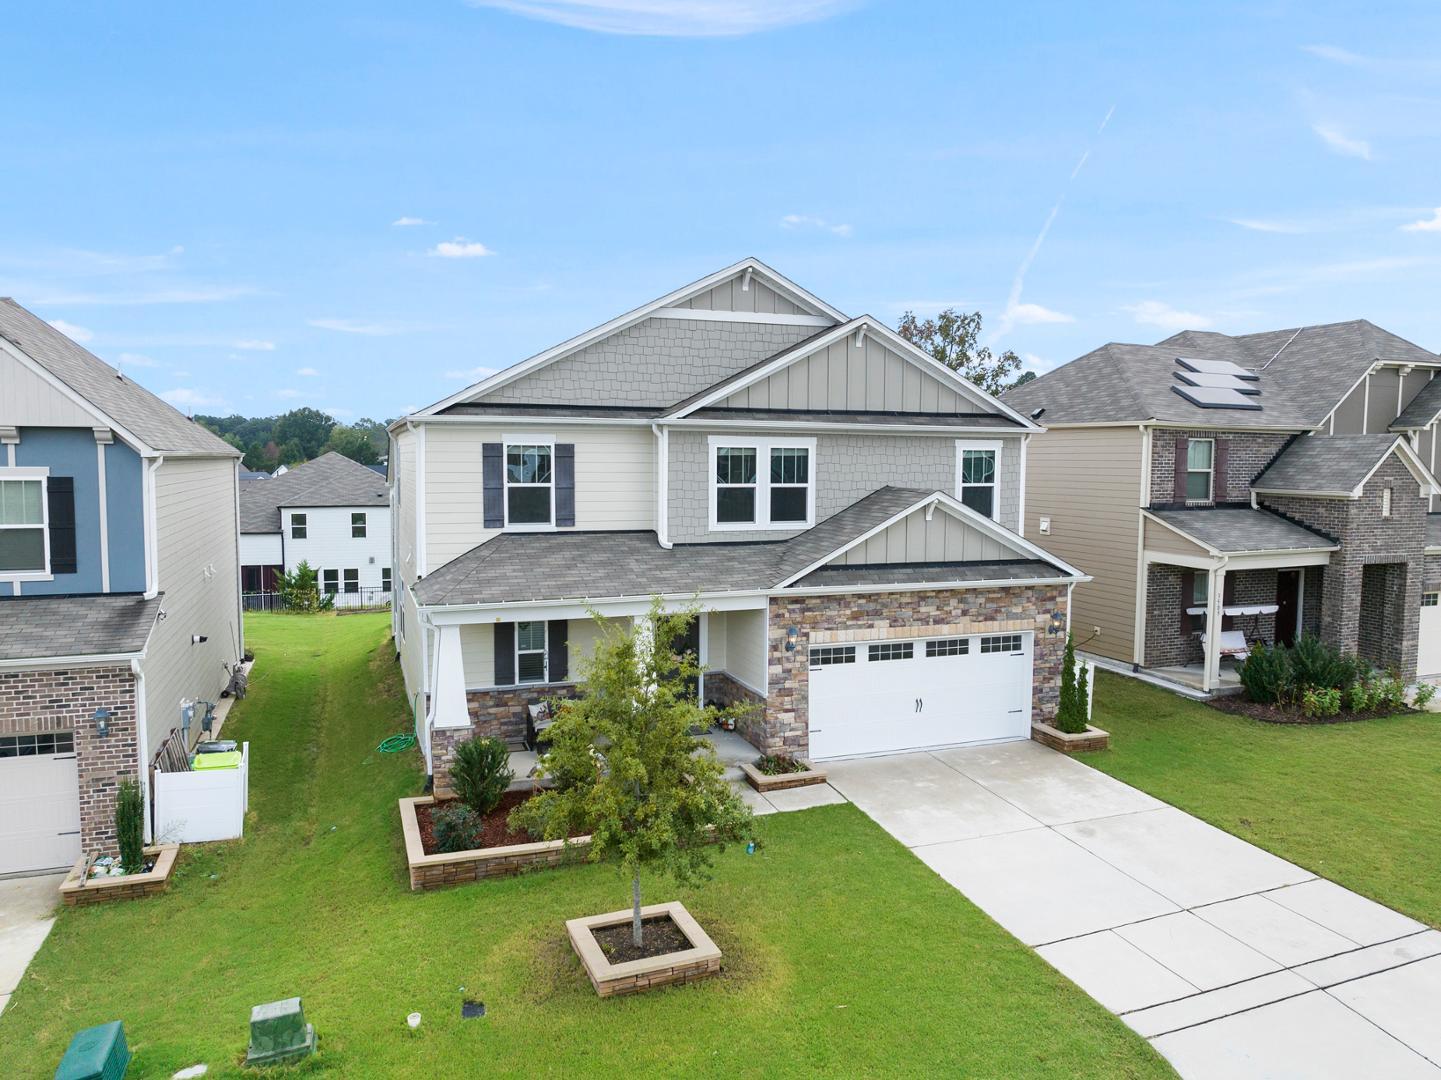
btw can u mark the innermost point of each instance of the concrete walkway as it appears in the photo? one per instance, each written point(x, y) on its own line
point(1234, 963)
point(27, 911)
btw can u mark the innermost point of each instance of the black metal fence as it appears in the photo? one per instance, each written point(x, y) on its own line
point(344, 600)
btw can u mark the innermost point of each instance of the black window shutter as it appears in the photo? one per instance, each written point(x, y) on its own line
point(565, 484)
point(557, 633)
point(492, 476)
point(61, 497)
point(1188, 590)
point(505, 654)
point(1218, 471)
point(1182, 447)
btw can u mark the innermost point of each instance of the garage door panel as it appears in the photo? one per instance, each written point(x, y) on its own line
point(1428, 658)
point(39, 810)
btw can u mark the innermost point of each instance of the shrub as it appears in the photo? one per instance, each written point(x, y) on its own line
point(300, 590)
point(130, 825)
point(1071, 710)
point(1316, 701)
point(1314, 663)
point(778, 765)
point(480, 773)
point(1388, 692)
point(1266, 674)
point(1424, 693)
point(1359, 697)
point(455, 827)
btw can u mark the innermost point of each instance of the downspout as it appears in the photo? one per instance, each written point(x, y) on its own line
point(152, 546)
point(239, 581)
point(662, 486)
point(142, 745)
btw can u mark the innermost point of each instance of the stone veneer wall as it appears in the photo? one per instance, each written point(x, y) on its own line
point(1247, 454)
point(721, 689)
point(500, 713)
point(785, 726)
point(33, 702)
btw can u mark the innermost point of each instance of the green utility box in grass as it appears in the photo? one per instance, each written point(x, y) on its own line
point(97, 1053)
point(279, 1033)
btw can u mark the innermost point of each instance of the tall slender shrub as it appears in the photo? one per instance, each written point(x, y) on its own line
point(1071, 710)
point(130, 825)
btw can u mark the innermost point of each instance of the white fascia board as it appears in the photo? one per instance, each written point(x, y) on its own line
point(780, 284)
point(1413, 463)
point(1352, 494)
point(62, 388)
point(44, 663)
point(1214, 551)
point(611, 606)
point(1269, 560)
point(1194, 562)
point(924, 586)
point(692, 423)
point(550, 420)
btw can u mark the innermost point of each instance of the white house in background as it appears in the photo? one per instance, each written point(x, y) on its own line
point(332, 513)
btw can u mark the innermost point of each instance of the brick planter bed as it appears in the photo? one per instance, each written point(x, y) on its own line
point(452, 868)
point(1093, 738)
point(701, 961)
point(77, 889)
point(763, 782)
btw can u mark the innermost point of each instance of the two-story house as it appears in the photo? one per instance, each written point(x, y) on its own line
point(844, 509)
point(1268, 484)
point(332, 513)
point(119, 588)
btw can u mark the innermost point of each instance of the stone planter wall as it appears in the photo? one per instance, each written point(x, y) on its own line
point(763, 783)
point(438, 871)
point(77, 890)
point(701, 961)
point(1093, 738)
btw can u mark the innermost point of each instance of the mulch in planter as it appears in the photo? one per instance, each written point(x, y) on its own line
point(660, 937)
point(495, 830)
point(1240, 705)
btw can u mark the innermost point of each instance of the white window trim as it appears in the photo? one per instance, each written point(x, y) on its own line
point(345, 580)
point(962, 445)
point(544, 651)
point(364, 525)
point(305, 524)
point(43, 475)
point(763, 448)
point(526, 440)
point(1210, 473)
point(324, 588)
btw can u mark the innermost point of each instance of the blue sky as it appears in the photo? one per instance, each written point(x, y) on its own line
point(211, 195)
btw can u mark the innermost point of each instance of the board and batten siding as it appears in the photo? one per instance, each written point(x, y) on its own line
point(1087, 481)
point(614, 481)
point(198, 571)
point(913, 539)
point(30, 401)
point(730, 296)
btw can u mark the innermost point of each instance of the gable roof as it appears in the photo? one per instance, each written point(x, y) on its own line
point(1424, 408)
point(329, 480)
point(1241, 530)
point(130, 408)
point(1336, 465)
point(1304, 373)
point(749, 267)
point(50, 627)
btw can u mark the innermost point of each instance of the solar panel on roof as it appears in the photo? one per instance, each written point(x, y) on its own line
point(1226, 382)
point(1216, 367)
point(1217, 397)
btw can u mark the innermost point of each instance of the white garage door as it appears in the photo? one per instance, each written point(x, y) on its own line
point(880, 697)
point(1428, 653)
point(39, 802)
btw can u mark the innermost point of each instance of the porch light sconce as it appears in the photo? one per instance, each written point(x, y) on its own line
point(1058, 623)
point(102, 721)
point(793, 634)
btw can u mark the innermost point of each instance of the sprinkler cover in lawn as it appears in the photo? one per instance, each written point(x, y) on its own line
point(279, 1033)
point(97, 1053)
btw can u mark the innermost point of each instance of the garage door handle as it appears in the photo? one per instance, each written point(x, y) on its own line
point(72, 832)
point(63, 757)
point(920, 704)
point(1018, 710)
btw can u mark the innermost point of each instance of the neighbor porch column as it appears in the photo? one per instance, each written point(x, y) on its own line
point(1215, 613)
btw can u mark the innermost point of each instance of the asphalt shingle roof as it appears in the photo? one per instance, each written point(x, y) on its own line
point(1241, 530)
point(516, 567)
point(1325, 464)
point(1018, 570)
point(1304, 373)
point(329, 480)
point(44, 627)
point(159, 425)
point(1423, 409)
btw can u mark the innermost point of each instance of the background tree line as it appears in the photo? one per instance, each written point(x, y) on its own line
point(297, 436)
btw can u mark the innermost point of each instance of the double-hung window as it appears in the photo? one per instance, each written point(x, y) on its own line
point(357, 526)
point(1200, 469)
point(24, 539)
point(762, 483)
point(978, 469)
point(298, 528)
point(530, 652)
point(331, 581)
point(385, 579)
point(352, 581)
point(529, 483)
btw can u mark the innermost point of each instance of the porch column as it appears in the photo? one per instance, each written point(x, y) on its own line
point(1215, 613)
point(447, 705)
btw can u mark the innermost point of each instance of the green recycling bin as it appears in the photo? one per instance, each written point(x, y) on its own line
point(97, 1053)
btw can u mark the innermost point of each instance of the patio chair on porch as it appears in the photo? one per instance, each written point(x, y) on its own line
point(1233, 644)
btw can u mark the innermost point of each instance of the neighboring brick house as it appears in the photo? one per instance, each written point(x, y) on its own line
point(844, 511)
point(1270, 485)
point(119, 588)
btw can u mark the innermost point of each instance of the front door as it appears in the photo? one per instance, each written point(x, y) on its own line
point(1288, 605)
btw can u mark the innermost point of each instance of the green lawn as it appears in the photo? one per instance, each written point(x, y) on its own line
point(1359, 803)
point(845, 955)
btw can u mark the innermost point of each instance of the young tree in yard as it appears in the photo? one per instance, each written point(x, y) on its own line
point(300, 590)
point(651, 795)
point(952, 337)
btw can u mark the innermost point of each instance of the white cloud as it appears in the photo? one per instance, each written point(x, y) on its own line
point(252, 345)
point(406, 410)
point(1337, 55)
point(337, 412)
point(1034, 314)
point(673, 18)
point(134, 360)
point(474, 374)
point(73, 332)
point(287, 392)
point(1430, 224)
point(1258, 225)
point(1156, 313)
point(807, 221)
point(460, 248)
point(307, 372)
point(1342, 143)
point(405, 221)
point(184, 398)
point(356, 326)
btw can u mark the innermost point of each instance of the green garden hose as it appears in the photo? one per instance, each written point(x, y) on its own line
point(396, 743)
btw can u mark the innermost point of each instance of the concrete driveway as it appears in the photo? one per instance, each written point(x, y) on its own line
point(27, 911)
point(1234, 963)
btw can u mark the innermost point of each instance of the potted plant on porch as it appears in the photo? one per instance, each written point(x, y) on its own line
point(651, 796)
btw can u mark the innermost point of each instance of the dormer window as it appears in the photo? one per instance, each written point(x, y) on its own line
point(1200, 470)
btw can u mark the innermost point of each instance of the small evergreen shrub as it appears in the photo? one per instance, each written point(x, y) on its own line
point(130, 825)
point(1071, 710)
point(1314, 663)
point(1316, 702)
point(455, 827)
point(1266, 674)
point(480, 773)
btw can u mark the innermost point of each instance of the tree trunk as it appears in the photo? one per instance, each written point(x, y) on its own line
point(635, 911)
